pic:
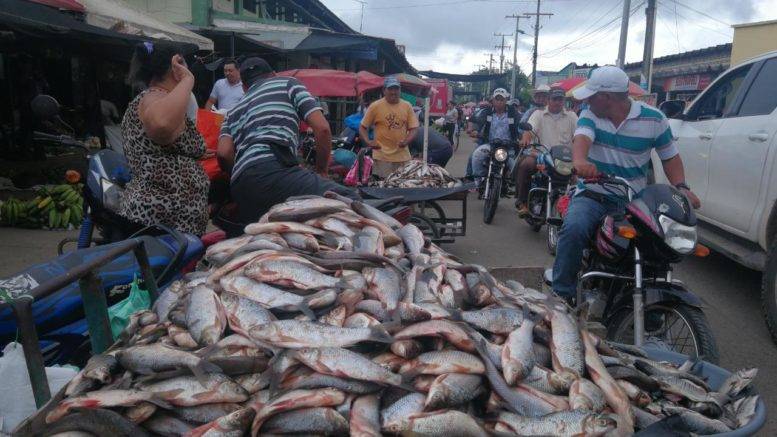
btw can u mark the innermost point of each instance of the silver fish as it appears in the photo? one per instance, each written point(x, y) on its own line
point(316, 420)
point(565, 423)
point(453, 389)
point(295, 334)
point(395, 418)
point(205, 316)
point(365, 416)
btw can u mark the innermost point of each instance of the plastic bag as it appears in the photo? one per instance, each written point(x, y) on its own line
point(360, 171)
point(17, 402)
point(119, 314)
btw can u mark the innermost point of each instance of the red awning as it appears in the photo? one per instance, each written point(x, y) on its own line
point(334, 83)
point(68, 5)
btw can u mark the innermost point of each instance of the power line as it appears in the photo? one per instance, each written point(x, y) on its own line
point(696, 23)
point(701, 13)
point(581, 35)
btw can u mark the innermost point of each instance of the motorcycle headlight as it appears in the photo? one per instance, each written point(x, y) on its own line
point(500, 155)
point(563, 168)
point(681, 238)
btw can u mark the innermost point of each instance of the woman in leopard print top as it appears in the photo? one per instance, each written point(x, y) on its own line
point(162, 145)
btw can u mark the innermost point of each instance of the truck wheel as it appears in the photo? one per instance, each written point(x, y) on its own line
point(769, 291)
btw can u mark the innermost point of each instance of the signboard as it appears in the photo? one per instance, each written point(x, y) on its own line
point(439, 96)
point(650, 99)
point(689, 82)
point(581, 72)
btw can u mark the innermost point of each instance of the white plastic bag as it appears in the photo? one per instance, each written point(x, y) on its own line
point(16, 400)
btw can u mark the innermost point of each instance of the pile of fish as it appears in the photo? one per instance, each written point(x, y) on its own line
point(329, 317)
point(418, 174)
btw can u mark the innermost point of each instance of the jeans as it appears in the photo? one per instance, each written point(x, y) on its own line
point(479, 161)
point(580, 222)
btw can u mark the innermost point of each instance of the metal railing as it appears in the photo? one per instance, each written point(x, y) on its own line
point(95, 309)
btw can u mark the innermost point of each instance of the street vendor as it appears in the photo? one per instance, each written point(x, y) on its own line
point(227, 91)
point(258, 142)
point(162, 144)
point(395, 125)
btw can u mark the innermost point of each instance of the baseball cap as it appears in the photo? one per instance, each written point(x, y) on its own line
point(557, 92)
point(501, 92)
point(390, 81)
point(254, 65)
point(608, 78)
point(542, 89)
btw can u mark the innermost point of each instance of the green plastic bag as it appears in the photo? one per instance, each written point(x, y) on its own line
point(119, 314)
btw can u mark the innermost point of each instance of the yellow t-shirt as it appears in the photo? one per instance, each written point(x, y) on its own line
point(391, 124)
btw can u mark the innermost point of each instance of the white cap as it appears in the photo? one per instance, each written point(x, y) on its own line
point(501, 92)
point(544, 88)
point(608, 78)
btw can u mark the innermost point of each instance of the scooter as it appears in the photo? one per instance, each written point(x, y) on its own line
point(626, 281)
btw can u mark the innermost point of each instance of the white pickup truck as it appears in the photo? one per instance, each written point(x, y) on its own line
point(728, 141)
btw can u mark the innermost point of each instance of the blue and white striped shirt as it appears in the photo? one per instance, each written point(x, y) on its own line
point(269, 112)
point(625, 150)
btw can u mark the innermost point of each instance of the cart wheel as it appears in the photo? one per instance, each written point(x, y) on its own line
point(63, 243)
point(427, 227)
point(434, 212)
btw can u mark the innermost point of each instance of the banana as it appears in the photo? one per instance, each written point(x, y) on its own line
point(65, 220)
point(59, 189)
point(53, 219)
point(72, 197)
point(75, 216)
point(45, 202)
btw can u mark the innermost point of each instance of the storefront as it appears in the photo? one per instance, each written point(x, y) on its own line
point(685, 87)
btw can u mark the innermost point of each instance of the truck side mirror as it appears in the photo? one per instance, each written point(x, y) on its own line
point(673, 108)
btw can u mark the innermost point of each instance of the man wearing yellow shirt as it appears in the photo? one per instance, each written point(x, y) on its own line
point(394, 125)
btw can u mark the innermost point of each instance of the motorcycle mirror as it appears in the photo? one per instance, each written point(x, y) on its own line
point(525, 126)
point(45, 106)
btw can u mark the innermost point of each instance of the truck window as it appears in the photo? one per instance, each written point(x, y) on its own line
point(761, 98)
point(718, 100)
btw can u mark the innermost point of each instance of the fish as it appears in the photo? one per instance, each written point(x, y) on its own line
point(206, 413)
point(335, 317)
point(450, 331)
point(96, 421)
point(441, 362)
point(412, 237)
point(293, 334)
point(268, 296)
point(445, 423)
point(343, 362)
point(315, 420)
point(146, 359)
point(101, 367)
point(233, 424)
point(361, 320)
point(585, 395)
point(369, 240)
point(395, 418)
point(187, 391)
point(292, 274)
point(518, 350)
point(299, 241)
point(308, 379)
point(696, 422)
point(564, 423)
point(166, 425)
point(103, 399)
point(365, 416)
point(494, 320)
point(566, 347)
point(295, 400)
point(384, 285)
point(407, 348)
point(452, 389)
point(333, 225)
point(206, 319)
point(372, 213)
point(301, 210)
point(637, 396)
point(140, 412)
point(243, 313)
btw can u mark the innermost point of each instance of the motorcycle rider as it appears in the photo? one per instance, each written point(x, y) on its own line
point(553, 126)
point(539, 99)
point(498, 122)
point(615, 135)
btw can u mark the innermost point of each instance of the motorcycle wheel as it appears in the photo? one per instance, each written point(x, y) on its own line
point(489, 206)
point(684, 329)
point(552, 231)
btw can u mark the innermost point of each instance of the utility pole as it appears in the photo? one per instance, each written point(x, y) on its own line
point(361, 20)
point(515, 51)
point(624, 33)
point(502, 48)
point(536, 16)
point(489, 84)
point(650, 38)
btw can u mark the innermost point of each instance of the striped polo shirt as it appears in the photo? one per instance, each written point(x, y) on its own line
point(269, 112)
point(625, 150)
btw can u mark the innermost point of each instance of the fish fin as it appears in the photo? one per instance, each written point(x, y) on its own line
point(202, 368)
point(304, 308)
point(380, 334)
point(456, 314)
point(157, 400)
point(407, 386)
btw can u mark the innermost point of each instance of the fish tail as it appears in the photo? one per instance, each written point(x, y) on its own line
point(159, 402)
point(304, 308)
point(456, 314)
point(380, 334)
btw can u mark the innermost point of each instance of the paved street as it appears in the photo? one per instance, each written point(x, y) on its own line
point(731, 292)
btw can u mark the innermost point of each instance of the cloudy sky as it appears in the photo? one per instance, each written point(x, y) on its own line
point(455, 36)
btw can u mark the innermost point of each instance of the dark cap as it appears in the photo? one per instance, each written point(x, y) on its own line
point(254, 66)
point(557, 92)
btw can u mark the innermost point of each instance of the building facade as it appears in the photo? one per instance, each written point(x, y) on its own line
point(570, 70)
point(753, 39)
point(684, 75)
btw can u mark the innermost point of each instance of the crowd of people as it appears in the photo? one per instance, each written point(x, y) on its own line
point(260, 134)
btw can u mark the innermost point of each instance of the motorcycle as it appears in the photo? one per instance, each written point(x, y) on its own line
point(549, 184)
point(498, 180)
point(626, 280)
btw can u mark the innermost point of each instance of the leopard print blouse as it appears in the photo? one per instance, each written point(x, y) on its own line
point(168, 185)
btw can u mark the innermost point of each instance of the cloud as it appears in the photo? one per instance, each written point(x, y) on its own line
point(453, 36)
